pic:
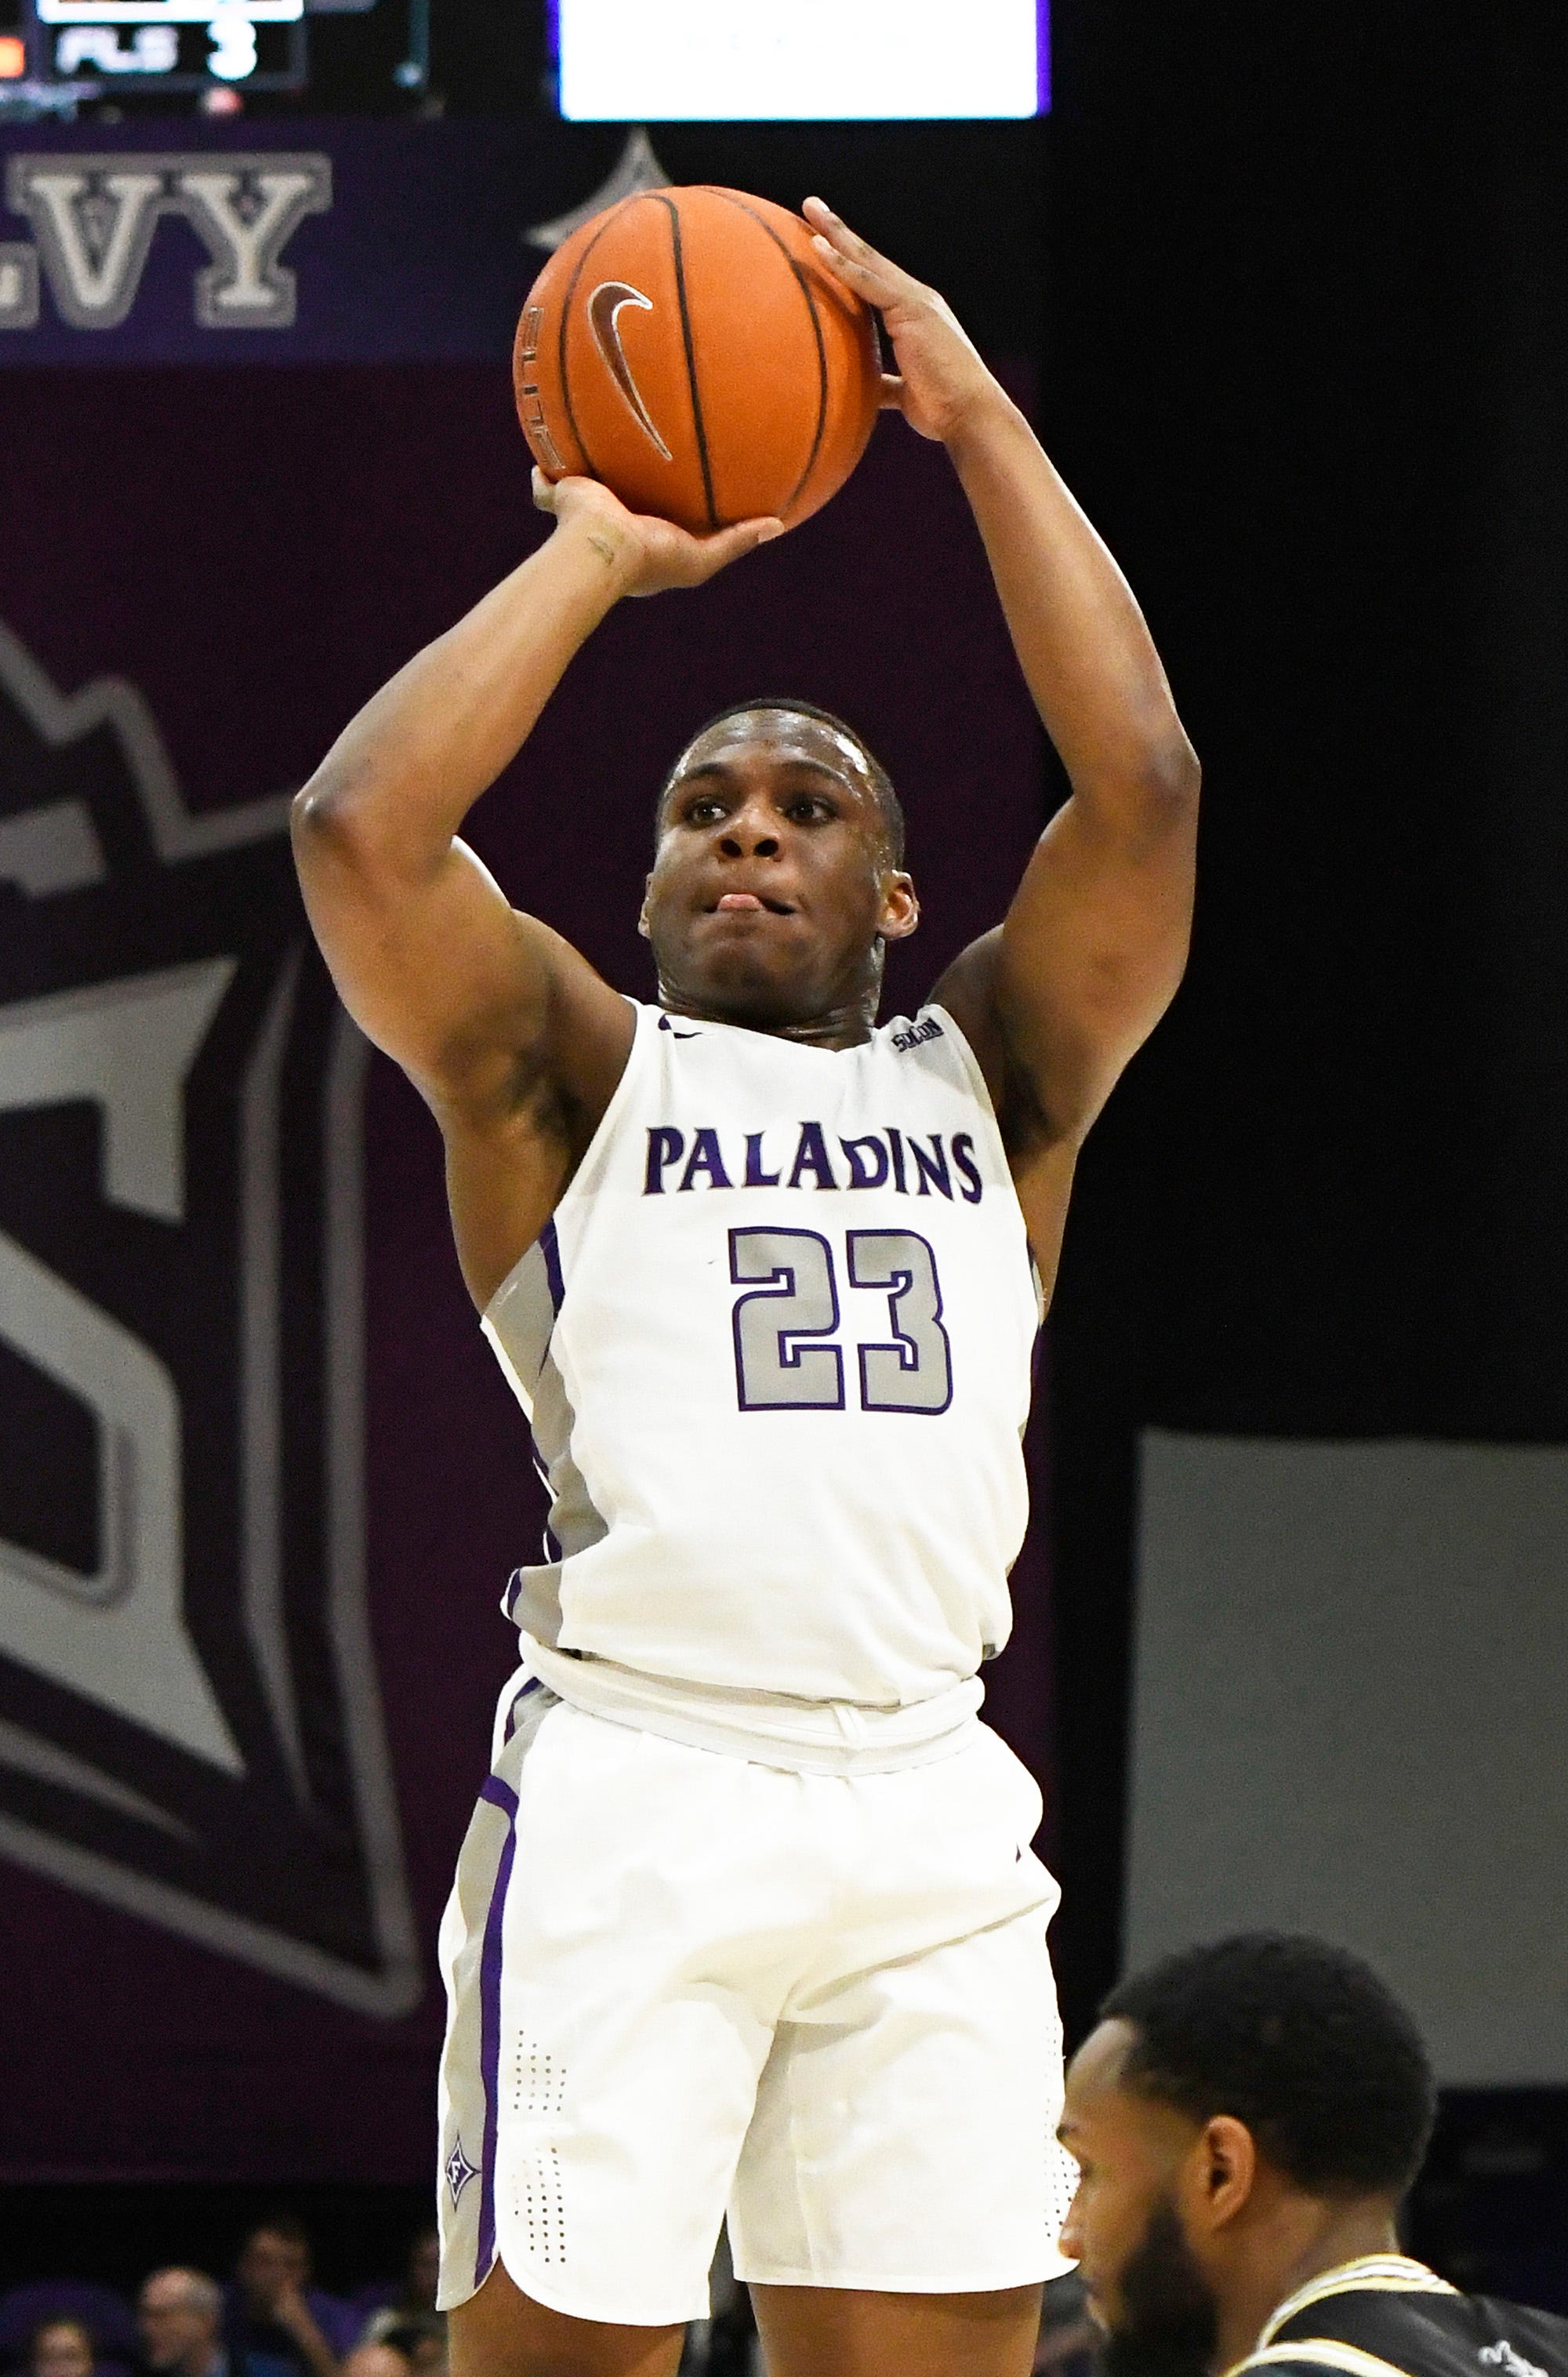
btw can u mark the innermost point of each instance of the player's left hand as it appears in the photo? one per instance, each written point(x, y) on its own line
point(940, 379)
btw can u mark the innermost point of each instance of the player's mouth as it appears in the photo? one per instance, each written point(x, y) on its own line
point(742, 903)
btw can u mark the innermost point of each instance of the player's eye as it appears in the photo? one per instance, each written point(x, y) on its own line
point(704, 811)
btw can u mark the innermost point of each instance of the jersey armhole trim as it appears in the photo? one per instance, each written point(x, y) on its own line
point(619, 1097)
point(978, 1086)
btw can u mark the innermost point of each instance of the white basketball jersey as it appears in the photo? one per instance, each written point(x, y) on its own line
point(775, 1348)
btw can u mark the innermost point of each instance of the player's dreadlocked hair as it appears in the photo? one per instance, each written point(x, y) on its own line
point(1301, 2041)
point(888, 801)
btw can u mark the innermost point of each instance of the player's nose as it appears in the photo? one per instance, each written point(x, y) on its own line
point(750, 834)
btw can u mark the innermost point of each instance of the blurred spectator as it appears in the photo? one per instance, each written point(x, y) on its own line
point(413, 2299)
point(47, 2302)
point(272, 2310)
point(376, 2361)
point(179, 2313)
point(1069, 2338)
point(61, 2347)
point(422, 2341)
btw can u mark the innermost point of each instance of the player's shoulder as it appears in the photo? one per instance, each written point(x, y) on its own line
point(1409, 2322)
point(931, 1041)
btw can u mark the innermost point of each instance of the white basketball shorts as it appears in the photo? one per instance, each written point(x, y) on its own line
point(680, 1982)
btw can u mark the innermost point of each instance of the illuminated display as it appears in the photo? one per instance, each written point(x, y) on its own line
point(92, 41)
point(180, 44)
point(657, 61)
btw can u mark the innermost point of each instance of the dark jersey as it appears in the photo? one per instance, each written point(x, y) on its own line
point(1387, 2316)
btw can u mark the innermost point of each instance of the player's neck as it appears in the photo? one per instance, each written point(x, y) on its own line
point(844, 1026)
point(1309, 2238)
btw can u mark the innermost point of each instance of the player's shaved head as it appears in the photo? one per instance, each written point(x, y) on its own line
point(758, 716)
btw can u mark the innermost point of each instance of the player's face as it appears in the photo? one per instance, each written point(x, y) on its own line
point(1146, 2289)
point(771, 890)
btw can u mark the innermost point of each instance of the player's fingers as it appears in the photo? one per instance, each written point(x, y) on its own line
point(876, 286)
point(544, 491)
point(822, 220)
point(893, 392)
point(853, 257)
point(731, 544)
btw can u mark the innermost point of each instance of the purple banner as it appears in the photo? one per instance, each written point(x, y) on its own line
point(326, 240)
point(261, 1480)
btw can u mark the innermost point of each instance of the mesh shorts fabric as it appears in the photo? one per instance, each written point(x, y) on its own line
point(680, 1982)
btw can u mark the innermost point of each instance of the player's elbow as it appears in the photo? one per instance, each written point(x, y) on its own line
point(1170, 777)
point(1153, 806)
point(1146, 798)
point(329, 828)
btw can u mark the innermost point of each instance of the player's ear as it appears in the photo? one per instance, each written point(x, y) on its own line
point(642, 911)
point(1223, 2168)
point(900, 909)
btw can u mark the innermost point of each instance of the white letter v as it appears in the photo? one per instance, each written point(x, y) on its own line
point(93, 283)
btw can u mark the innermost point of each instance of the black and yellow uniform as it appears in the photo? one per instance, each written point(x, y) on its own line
point(1386, 2316)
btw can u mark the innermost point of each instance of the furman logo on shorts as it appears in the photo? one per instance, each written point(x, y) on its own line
point(188, 1712)
point(459, 2171)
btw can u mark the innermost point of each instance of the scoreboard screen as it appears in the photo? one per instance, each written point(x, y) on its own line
point(237, 41)
point(654, 61)
point(96, 47)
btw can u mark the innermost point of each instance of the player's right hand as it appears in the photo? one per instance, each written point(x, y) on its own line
point(649, 555)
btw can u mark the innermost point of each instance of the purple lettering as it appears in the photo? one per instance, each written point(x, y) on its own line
point(705, 1157)
point(964, 1157)
point(755, 1176)
point(931, 1170)
point(895, 1141)
point(811, 1155)
point(664, 1145)
point(860, 1173)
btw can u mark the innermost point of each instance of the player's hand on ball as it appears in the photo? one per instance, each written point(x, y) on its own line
point(652, 555)
point(941, 377)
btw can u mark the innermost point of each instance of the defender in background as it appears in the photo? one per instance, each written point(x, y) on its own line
point(1247, 2120)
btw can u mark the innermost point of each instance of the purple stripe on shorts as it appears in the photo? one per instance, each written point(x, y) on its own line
point(550, 1247)
point(499, 1795)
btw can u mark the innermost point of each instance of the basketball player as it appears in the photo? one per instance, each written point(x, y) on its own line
point(747, 1913)
point(1246, 2120)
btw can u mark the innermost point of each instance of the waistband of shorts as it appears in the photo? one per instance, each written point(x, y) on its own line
point(768, 1728)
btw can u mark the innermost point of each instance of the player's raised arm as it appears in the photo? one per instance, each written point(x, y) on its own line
point(1095, 943)
point(511, 1036)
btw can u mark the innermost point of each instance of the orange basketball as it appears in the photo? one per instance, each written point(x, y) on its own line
point(687, 348)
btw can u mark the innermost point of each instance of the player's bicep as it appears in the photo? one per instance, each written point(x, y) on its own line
point(1094, 947)
point(440, 971)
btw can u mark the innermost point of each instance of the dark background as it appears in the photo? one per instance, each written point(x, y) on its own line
point(1304, 362)
point(1293, 285)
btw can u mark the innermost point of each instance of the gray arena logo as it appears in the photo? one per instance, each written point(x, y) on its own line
point(190, 1725)
point(93, 219)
